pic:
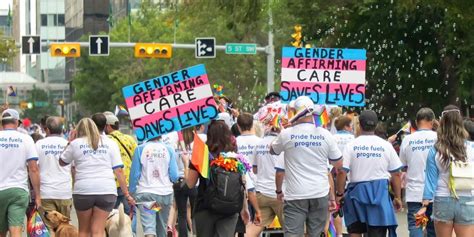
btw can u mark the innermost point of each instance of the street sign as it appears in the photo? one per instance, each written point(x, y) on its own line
point(238, 48)
point(99, 45)
point(40, 103)
point(205, 47)
point(30, 44)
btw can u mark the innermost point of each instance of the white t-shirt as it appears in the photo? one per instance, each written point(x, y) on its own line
point(413, 153)
point(56, 181)
point(369, 157)
point(16, 149)
point(442, 189)
point(307, 150)
point(171, 139)
point(266, 163)
point(155, 160)
point(94, 169)
point(246, 146)
point(343, 138)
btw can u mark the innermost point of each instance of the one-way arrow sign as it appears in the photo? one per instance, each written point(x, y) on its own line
point(30, 44)
point(99, 45)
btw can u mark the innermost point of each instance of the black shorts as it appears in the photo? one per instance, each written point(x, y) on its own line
point(372, 231)
point(104, 202)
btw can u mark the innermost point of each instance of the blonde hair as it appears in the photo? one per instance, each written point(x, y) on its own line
point(356, 126)
point(87, 128)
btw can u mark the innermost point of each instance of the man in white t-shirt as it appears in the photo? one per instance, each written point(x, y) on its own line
point(154, 170)
point(370, 163)
point(307, 149)
point(413, 154)
point(56, 182)
point(18, 157)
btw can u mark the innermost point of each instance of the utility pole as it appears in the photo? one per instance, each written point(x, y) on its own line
point(270, 50)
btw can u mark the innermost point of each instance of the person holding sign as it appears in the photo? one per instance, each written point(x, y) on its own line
point(307, 150)
point(153, 172)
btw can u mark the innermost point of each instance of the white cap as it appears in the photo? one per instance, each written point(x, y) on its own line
point(111, 118)
point(303, 103)
point(12, 114)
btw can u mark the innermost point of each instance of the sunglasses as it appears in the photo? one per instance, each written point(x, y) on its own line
point(450, 110)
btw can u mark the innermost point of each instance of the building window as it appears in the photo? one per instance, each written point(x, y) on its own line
point(44, 20)
point(60, 20)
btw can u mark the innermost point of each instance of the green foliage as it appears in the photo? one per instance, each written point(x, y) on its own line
point(8, 49)
point(36, 113)
point(419, 52)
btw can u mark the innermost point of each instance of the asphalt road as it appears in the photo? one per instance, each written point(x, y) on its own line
point(402, 229)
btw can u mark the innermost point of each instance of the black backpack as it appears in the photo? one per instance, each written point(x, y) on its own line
point(225, 191)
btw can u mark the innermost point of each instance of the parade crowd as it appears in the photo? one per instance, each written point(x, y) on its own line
point(280, 166)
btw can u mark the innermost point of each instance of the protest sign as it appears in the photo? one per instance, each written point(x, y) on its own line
point(170, 102)
point(327, 76)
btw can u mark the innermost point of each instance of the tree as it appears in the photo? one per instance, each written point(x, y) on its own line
point(419, 52)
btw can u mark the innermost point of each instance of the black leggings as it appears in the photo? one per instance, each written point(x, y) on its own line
point(181, 195)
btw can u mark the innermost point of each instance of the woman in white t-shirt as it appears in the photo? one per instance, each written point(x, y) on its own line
point(96, 158)
point(453, 202)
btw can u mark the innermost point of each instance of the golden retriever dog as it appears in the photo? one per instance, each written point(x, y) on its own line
point(118, 224)
point(60, 224)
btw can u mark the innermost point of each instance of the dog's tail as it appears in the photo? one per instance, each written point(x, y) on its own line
point(121, 215)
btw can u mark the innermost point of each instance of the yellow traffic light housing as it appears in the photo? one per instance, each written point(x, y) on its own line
point(65, 50)
point(150, 50)
point(297, 36)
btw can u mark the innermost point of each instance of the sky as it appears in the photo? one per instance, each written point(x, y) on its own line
point(4, 4)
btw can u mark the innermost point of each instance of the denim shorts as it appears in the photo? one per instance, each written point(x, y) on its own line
point(458, 211)
point(154, 223)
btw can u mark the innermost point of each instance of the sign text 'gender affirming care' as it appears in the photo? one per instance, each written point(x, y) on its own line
point(170, 102)
point(327, 76)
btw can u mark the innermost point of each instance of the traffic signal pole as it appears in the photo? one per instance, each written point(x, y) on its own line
point(268, 50)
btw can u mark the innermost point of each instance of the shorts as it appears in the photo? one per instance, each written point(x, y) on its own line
point(361, 228)
point(14, 202)
point(105, 202)
point(312, 212)
point(154, 223)
point(450, 210)
point(269, 208)
point(62, 206)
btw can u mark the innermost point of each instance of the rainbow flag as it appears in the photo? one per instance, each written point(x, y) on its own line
point(151, 207)
point(120, 110)
point(322, 119)
point(276, 121)
point(200, 157)
point(332, 228)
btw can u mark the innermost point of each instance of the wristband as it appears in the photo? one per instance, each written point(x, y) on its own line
point(278, 192)
point(338, 194)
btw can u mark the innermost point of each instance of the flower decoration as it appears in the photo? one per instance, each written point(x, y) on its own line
point(232, 162)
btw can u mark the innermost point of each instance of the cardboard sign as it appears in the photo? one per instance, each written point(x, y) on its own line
point(327, 76)
point(170, 102)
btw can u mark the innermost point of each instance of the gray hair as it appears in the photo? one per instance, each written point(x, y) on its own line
point(425, 114)
point(54, 125)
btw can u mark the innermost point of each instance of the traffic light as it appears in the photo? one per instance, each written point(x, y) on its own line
point(149, 50)
point(65, 50)
point(297, 36)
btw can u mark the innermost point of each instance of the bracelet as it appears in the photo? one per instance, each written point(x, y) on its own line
point(397, 199)
point(278, 192)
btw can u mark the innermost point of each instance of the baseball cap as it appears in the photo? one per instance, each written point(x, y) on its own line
point(10, 114)
point(303, 103)
point(111, 118)
point(368, 118)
